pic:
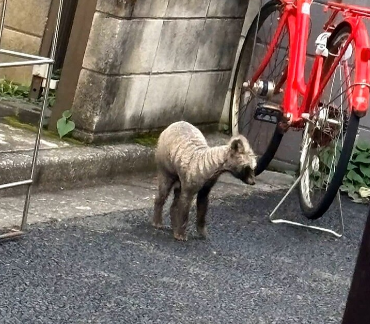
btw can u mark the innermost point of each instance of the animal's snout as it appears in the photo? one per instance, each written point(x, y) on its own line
point(251, 179)
point(248, 176)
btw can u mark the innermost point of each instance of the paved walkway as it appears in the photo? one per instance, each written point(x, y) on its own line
point(91, 257)
point(14, 139)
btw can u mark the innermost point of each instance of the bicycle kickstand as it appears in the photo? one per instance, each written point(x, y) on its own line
point(318, 228)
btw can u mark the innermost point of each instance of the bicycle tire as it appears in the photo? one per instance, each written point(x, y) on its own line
point(351, 128)
point(242, 70)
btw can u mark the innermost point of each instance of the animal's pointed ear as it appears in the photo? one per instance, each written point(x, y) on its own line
point(236, 145)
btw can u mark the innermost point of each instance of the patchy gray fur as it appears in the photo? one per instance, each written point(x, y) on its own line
point(186, 162)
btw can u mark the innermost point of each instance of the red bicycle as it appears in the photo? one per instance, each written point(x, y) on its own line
point(271, 94)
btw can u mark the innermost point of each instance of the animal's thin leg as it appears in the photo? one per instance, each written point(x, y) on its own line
point(202, 207)
point(182, 215)
point(173, 209)
point(164, 187)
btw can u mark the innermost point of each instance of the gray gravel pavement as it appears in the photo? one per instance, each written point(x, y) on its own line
point(108, 265)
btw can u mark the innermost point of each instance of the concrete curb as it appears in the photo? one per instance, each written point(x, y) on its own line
point(81, 166)
point(75, 166)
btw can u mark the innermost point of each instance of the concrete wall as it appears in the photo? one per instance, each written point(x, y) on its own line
point(152, 62)
point(25, 22)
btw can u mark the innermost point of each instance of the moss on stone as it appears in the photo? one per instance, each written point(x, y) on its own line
point(14, 122)
point(146, 139)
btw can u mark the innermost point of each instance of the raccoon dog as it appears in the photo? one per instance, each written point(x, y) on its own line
point(186, 162)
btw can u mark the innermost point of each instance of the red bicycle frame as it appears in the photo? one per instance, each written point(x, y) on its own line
point(296, 17)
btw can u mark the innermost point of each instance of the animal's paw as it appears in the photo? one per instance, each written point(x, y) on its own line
point(202, 231)
point(157, 225)
point(180, 237)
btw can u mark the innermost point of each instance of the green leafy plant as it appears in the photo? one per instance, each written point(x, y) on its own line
point(356, 182)
point(51, 98)
point(65, 125)
point(322, 176)
point(10, 89)
point(56, 74)
point(357, 178)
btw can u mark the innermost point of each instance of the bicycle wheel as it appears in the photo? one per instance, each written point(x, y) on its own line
point(329, 138)
point(264, 137)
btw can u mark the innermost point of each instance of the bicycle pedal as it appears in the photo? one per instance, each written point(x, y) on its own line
point(268, 113)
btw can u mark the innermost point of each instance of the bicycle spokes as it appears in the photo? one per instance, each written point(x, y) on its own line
point(327, 130)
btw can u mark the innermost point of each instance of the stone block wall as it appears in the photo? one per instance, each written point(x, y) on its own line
point(152, 62)
point(25, 23)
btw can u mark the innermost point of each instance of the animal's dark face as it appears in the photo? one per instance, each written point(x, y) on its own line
point(246, 174)
point(242, 161)
point(249, 176)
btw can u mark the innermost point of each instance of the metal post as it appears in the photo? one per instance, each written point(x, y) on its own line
point(2, 21)
point(30, 60)
point(45, 102)
point(358, 302)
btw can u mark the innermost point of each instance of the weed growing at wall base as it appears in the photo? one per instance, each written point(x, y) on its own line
point(356, 182)
point(357, 179)
point(9, 89)
point(65, 125)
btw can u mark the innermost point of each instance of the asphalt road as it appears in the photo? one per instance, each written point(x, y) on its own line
point(115, 268)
